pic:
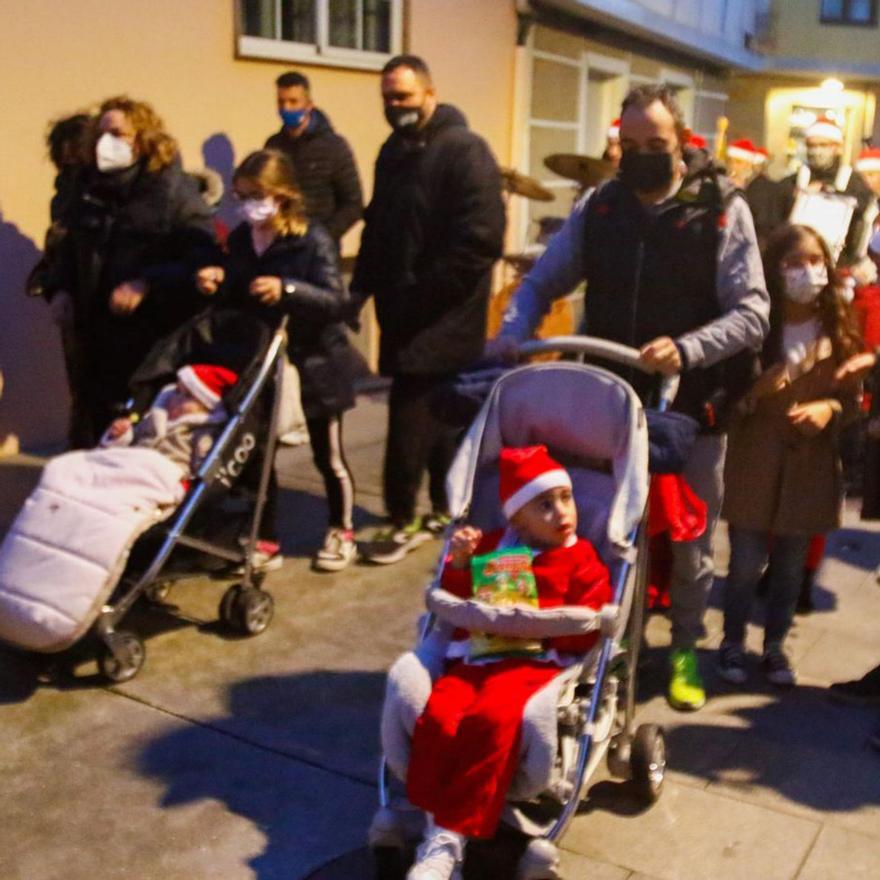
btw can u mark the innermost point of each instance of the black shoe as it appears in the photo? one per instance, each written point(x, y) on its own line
point(864, 691)
point(805, 604)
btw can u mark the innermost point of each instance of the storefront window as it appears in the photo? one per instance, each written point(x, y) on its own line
point(851, 12)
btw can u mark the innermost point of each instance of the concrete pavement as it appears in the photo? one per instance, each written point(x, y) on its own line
point(256, 758)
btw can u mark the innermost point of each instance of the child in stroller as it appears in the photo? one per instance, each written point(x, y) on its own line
point(465, 746)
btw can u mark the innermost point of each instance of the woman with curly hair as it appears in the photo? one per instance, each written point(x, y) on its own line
point(137, 229)
point(783, 470)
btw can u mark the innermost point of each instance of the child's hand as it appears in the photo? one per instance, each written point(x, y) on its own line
point(118, 427)
point(811, 418)
point(463, 544)
point(853, 370)
point(771, 381)
point(209, 279)
point(267, 289)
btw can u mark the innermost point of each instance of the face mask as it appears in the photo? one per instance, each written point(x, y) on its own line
point(646, 172)
point(821, 158)
point(293, 118)
point(804, 283)
point(113, 153)
point(404, 120)
point(256, 211)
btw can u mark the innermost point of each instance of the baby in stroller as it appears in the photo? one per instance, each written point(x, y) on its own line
point(183, 420)
point(465, 745)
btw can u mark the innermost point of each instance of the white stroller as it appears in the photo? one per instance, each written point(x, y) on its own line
point(593, 422)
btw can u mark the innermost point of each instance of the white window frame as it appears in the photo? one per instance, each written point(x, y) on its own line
point(321, 52)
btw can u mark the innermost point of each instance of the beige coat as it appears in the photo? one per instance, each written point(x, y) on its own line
point(776, 478)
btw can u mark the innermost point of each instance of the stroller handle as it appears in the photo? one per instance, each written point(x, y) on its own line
point(605, 349)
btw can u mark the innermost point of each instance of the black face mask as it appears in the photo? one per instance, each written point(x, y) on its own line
point(646, 172)
point(405, 120)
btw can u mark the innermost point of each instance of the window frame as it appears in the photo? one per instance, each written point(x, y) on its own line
point(844, 20)
point(321, 52)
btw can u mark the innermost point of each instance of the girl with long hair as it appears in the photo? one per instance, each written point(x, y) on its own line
point(280, 263)
point(783, 470)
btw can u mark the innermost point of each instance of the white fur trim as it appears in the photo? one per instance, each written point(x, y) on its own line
point(740, 153)
point(868, 164)
point(614, 132)
point(190, 380)
point(554, 479)
point(827, 130)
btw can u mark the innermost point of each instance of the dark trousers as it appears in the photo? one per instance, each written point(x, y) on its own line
point(417, 440)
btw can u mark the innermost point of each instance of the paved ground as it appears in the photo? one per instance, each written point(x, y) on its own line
point(256, 758)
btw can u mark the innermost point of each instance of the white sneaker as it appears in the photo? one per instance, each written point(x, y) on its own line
point(439, 856)
point(338, 551)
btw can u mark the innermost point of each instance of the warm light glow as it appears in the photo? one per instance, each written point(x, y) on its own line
point(832, 85)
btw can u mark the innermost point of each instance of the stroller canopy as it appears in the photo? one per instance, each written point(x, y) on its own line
point(590, 419)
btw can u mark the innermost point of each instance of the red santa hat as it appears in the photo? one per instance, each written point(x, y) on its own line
point(525, 473)
point(869, 160)
point(826, 129)
point(743, 149)
point(613, 133)
point(206, 382)
point(762, 155)
point(697, 141)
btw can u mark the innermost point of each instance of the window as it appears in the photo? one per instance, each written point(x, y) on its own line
point(849, 12)
point(343, 33)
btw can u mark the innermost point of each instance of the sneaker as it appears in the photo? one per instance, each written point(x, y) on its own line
point(391, 544)
point(732, 663)
point(864, 691)
point(265, 557)
point(686, 691)
point(338, 551)
point(438, 857)
point(777, 669)
point(436, 523)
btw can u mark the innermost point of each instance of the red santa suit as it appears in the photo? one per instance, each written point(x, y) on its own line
point(465, 746)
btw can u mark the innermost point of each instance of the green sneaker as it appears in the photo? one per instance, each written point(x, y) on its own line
point(391, 544)
point(686, 691)
point(436, 523)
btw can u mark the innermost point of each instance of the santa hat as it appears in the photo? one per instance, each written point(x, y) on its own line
point(206, 382)
point(743, 149)
point(826, 129)
point(525, 473)
point(613, 133)
point(869, 160)
point(697, 141)
point(762, 155)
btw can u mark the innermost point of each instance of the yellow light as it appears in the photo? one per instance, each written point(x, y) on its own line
point(831, 85)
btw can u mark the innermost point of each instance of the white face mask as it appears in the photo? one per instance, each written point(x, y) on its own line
point(256, 211)
point(804, 283)
point(113, 153)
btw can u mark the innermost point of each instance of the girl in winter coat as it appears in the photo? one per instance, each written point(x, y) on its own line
point(783, 470)
point(278, 263)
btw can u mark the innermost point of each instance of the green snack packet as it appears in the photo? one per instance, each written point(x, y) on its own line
point(504, 578)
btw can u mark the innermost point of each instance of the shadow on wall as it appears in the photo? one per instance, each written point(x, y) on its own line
point(35, 400)
point(219, 155)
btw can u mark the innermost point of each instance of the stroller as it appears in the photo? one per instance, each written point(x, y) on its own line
point(154, 547)
point(593, 423)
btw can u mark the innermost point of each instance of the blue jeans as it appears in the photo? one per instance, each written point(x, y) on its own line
point(749, 553)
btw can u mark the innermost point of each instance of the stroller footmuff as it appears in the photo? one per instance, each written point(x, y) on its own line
point(594, 424)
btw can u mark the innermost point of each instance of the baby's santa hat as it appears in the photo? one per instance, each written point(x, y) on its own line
point(206, 382)
point(613, 132)
point(743, 149)
point(869, 160)
point(826, 129)
point(525, 473)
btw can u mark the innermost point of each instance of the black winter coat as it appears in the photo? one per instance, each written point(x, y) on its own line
point(326, 173)
point(434, 228)
point(317, 341)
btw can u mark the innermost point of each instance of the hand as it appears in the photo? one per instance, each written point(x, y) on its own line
point(267, 289)
point(662, 355)
point(608, 616)
point(501, 348)
point(61, 308)
point(864, 272)
point(463, 544)
point(770, 382)
point(209, 279)
point(127, 297)
point(811, 418)
point(118, 427)
point(854, 369)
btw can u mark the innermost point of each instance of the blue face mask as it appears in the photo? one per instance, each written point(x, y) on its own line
point(292, 118)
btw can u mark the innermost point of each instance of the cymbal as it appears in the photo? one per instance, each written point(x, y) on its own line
point(521, 185)
point(586, 170)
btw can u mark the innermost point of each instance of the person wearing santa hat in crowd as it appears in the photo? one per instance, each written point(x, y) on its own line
point(763, 196)
point(742, 162)
point(612, 152)
point(868, 165)
point(466, 743)
point(183, 420)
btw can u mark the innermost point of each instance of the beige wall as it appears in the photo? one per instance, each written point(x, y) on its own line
point(60, 56)
point(799, 34)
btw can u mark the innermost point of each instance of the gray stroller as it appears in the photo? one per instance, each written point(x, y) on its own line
point(593, 422)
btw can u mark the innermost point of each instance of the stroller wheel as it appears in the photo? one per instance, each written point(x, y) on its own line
point(247, 610)
point(121, 657)
point(648, 761)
